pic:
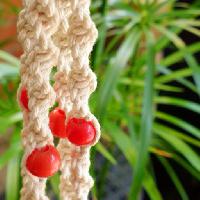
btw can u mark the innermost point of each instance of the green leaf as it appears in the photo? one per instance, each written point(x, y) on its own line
point(151, 187)
point(174, 178)
point(188, 25)
point(6, 70)
point(125, 145)
point(181, 161)
point(179, 55)
point(174, 76)
point(180, 123)
point(190, 105)
point(183, 81)
point(9, 120)
point(140, 83)
point(179, 43)
point(101, 149)
point(181, 136)
point(13, 179)
point(190, 59)
point(54, 182)
point(171, 35)
point(10, 153)
point(9, 58)
point(146, 121)
point(124, 53)
point(180, 146)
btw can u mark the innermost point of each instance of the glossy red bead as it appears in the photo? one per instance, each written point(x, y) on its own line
point(80, 132)
point(43, 162)
point(24, 98)
point(57, 123)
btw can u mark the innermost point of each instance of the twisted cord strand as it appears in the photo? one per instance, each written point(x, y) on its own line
point(37, 23)
point(80, 83)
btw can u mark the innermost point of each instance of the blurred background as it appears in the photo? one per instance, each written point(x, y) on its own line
point(147, 101)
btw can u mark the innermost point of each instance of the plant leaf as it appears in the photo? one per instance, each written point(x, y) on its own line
point(180, 123)
point(190, 105)
point(124, 53)
point(7, 70)
point(178, 145)
point(146, 121)
point(12, 178)
point(125, 145)
point(101, 149)
point(9, 58)
point(174, 178)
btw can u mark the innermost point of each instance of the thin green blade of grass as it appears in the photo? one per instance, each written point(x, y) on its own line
point(9, 58)
point(12, 178)
point(180, 146)
point(54, 182)
point(179, 43)
point(180, 135)
point(130, 123)
point(186, 13)
point(163, 4)
point(188, 84)
point(9, 154)
point(180, 123)
point(179, 55)
point(8, 120)
point(146, 121)
point(187, 166)
point(190, 105)
point(101, 149)
point(174, 178)
point(190, 59)
point(123, 55)
point(173, 76)
point(7, 70)
point(150, 187)
point(125, 145)
point(140, 84)
point(160, 44)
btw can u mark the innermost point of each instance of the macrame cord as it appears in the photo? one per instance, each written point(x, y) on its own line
point(56, 33)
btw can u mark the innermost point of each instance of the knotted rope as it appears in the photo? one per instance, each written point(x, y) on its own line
point(81, 82)
point(56, 33)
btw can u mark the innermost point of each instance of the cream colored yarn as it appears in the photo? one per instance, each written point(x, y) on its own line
point(57, 33)
point(80, 83)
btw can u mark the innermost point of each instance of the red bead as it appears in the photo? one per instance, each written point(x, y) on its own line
point(43, 162)
point(24, 98)
point(80, 132)
point(57, 123)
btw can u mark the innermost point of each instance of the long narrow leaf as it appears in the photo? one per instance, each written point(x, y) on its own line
point(179, 43)
point(190, 105)
point(12, 179)
point(101, 149)
point(174, 178)
point(179, 146)
point(180, 123)
point(9, 58)
point(146, 121)
point(125, 145)
point(112, 74)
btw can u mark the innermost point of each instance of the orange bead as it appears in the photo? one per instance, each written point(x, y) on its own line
point(57, 123)
point(80, 132)
point(43, 162)
point(24, 98)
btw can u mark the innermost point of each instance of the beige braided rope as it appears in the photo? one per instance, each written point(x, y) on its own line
point(57, 33)
point(80, 83)
point(36, 25)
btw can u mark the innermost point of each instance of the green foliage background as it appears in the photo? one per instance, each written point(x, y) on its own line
point(132, 74)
